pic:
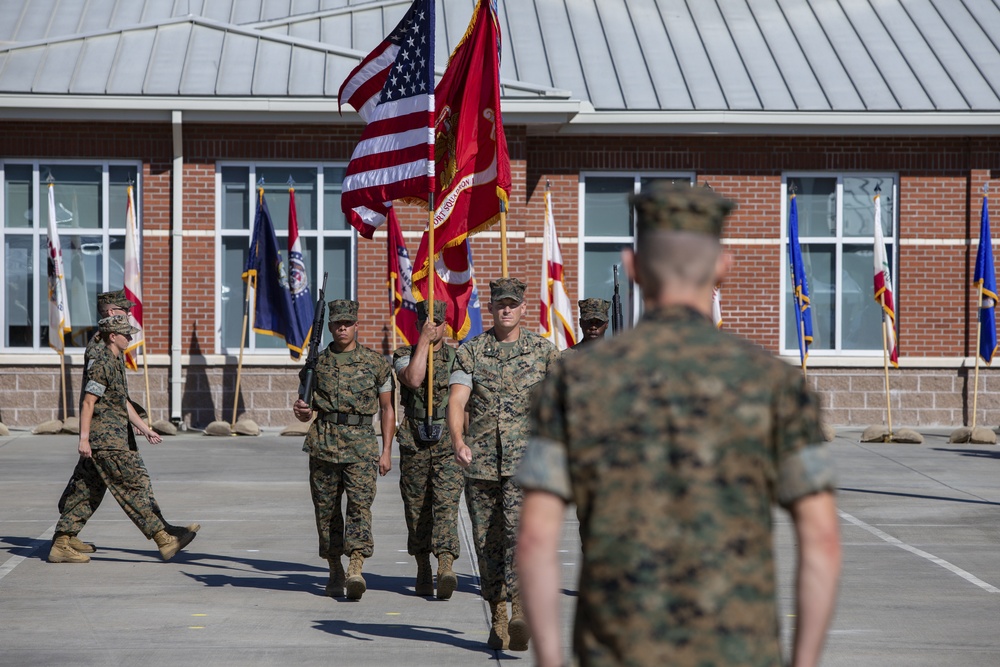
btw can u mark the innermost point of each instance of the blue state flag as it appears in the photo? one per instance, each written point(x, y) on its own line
point(274, 312)
point(800, 286)
point(985, 278)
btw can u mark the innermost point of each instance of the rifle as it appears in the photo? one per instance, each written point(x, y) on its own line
point(617, 322)
point(307, 376)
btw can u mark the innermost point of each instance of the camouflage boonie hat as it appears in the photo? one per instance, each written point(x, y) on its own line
point(440, 310)
point(115, 298)
point(680, 207)
point(118, 324)
point(507, 288)
point(343, 310)
point(594, 309)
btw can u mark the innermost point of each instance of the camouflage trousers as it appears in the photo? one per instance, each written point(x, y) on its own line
point(343, 533)
point(430, 483)
point(495, 509)
point(121, 472)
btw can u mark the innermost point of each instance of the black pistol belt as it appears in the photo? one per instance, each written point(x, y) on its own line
point(344, 419)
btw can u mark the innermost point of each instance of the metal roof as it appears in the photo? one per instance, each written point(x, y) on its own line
point(615, 57)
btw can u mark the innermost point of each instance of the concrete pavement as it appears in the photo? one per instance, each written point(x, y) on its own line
point(921, 582)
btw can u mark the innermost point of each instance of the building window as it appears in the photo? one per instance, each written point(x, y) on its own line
point(328, 242)
point(90, 204)
point(607, 225)
point(836, 233)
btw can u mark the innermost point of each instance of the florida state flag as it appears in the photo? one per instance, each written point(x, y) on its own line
point(471, 163)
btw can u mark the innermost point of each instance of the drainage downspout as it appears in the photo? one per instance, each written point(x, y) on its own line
point(177, 268)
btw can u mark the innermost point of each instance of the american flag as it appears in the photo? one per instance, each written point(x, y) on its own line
point(393, 91)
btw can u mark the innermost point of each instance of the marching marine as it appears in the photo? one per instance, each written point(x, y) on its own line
point(430, 480)
point(352, 384)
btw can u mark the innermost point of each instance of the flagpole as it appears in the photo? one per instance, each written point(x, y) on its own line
point(246, 317)
point(547, 294)
point(885, 364)
point(979, 330)
point(802, 332)
point(431, 279)
point(503, 238)
point(62, 377)
point(145, 372)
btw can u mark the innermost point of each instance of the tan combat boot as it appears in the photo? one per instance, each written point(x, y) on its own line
point(425, 579)
point(62, 552)
point(170, 545)
point(447, 581)
point(82, 547)
point(518, 629)
point(355, 582)
point(498, 638)
point(335, 587)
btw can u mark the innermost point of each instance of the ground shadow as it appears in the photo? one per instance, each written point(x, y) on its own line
point(921, 496)
point(978, 453)
point(26, 547)
point(420, 633)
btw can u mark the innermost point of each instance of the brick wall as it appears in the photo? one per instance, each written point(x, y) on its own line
point(940, 179)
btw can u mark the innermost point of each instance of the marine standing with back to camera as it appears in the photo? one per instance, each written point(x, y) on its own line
point(675, 439)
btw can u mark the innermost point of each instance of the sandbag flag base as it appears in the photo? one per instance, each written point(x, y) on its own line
point(881, 433)
point(985, 281)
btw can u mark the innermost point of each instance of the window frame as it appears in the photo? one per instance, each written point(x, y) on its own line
point(583, 239)
point(37, 231)
point(319, 233)
point(838, 241)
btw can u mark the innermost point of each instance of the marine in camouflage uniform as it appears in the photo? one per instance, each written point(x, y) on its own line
point(106, 417)
point(674, 440)
point(593, 322)
point(352, 384)
point(493, 377)
point(84, 475)
point(430, 480)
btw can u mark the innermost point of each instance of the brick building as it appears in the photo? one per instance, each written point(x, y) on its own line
point(195, 104)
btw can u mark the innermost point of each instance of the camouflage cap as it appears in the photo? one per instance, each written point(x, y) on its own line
point(118, 324)
point(343, 310)
point(440, 310)
point(680, 207)
point(594, 309)
point(114, 298)
point(507, 288)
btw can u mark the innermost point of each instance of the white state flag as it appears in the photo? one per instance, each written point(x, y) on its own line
point(716, 307)
point(883, 288)
point(557, 310)
point(59, 324)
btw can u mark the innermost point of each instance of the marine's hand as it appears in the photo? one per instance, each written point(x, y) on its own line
point(431, 332)
point(153, 437)
point(302, 410)
point(84, 448)
point(463, 455)
point(384, 463)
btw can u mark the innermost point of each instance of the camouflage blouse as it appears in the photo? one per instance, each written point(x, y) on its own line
point(104, 377)
point(674, 440)
point(502, 377)
point(349, 385)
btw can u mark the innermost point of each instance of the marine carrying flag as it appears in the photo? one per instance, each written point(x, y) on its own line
point(401, 300)
point(393, 91)
point(883, 287)
point(265, 274)
point(472, 164)
point(800, 286)
point(59, 324)
point(557, 310)
point(300, 327)
point(133, 281)
point(986, 280)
